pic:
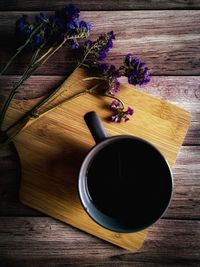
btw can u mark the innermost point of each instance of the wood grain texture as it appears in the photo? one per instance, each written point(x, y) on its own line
point(46, 242)
point(100, 4)
point(182, 91)
point(167, 41)
point(185, 202)
point(10, 174)
point(34, 87)
point(51, 151)
point(186, 198)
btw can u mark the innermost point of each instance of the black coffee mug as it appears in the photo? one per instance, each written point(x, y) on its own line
point(125, 183)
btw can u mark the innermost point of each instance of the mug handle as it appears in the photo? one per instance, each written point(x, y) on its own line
point(95, 126)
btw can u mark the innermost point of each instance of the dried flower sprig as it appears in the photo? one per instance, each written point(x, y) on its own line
point(109, 74)
point(120, 113)
point(44, 37)
point(97, 51)
point(48, 34)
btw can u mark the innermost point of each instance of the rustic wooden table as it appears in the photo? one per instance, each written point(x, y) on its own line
point(166, 35)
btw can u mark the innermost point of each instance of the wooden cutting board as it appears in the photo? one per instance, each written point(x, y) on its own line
point(52, 149)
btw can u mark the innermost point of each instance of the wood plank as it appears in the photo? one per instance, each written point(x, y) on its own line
point(10, 184)
point(186, 198)
point(182, 91)
point(46, 242)
point(100, 4)
point(51, 150)
point(186, 91)
point(193, 134)
point(185, 202)
point(167, 41)
point(34, 87)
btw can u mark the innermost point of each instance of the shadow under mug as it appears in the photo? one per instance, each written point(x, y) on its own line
point(125, 183)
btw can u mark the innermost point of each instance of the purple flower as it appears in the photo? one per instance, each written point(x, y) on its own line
point(103, 68)
point(116, 86)
point(130, 111)
point(78, 24)
point(107, 70)
point(111, 74)
point(67, 21)
point(115, 118)
point(115, 104)
point(85, 25)
point(38, 39)
point(120, 117)
point(98, 50)
point(22, 28)
point(107, 40)
point(120, 114)
point(135, 70)
point(53, 30)
point(131, 61)
point(140, 77)
point(68, 13)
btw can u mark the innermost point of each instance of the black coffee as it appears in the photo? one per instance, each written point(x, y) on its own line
point(129, 180)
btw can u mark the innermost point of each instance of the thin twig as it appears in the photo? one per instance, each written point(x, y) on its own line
point(21, 48)
point(116, 98)
point(74, 84)
point(31, 119)
point(24, 77)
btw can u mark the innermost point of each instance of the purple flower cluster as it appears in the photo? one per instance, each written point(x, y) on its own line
point(105, 48)
point(132, 68)
point(135, 70)
point(111, 74)
point(53, 29)
point(120, 113)
point(23, 29)
point(66, 22)
point(95, 52)
point(98, 50)
point(51, 32)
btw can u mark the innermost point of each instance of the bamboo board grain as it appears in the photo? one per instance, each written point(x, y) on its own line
point(52, 149)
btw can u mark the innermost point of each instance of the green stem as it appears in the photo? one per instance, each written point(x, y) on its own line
point(113, 97)
point(49, 55)
point(36, 107)
point(21, 48)
point(73, 97)
point(51, 51)
point(21, 119)
point(83, 80)
point(33, 111)
point(29, 114)
point(80, 63)
point(66, 100)
point(34, 66)
point(74, 84)
point(24, 77)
